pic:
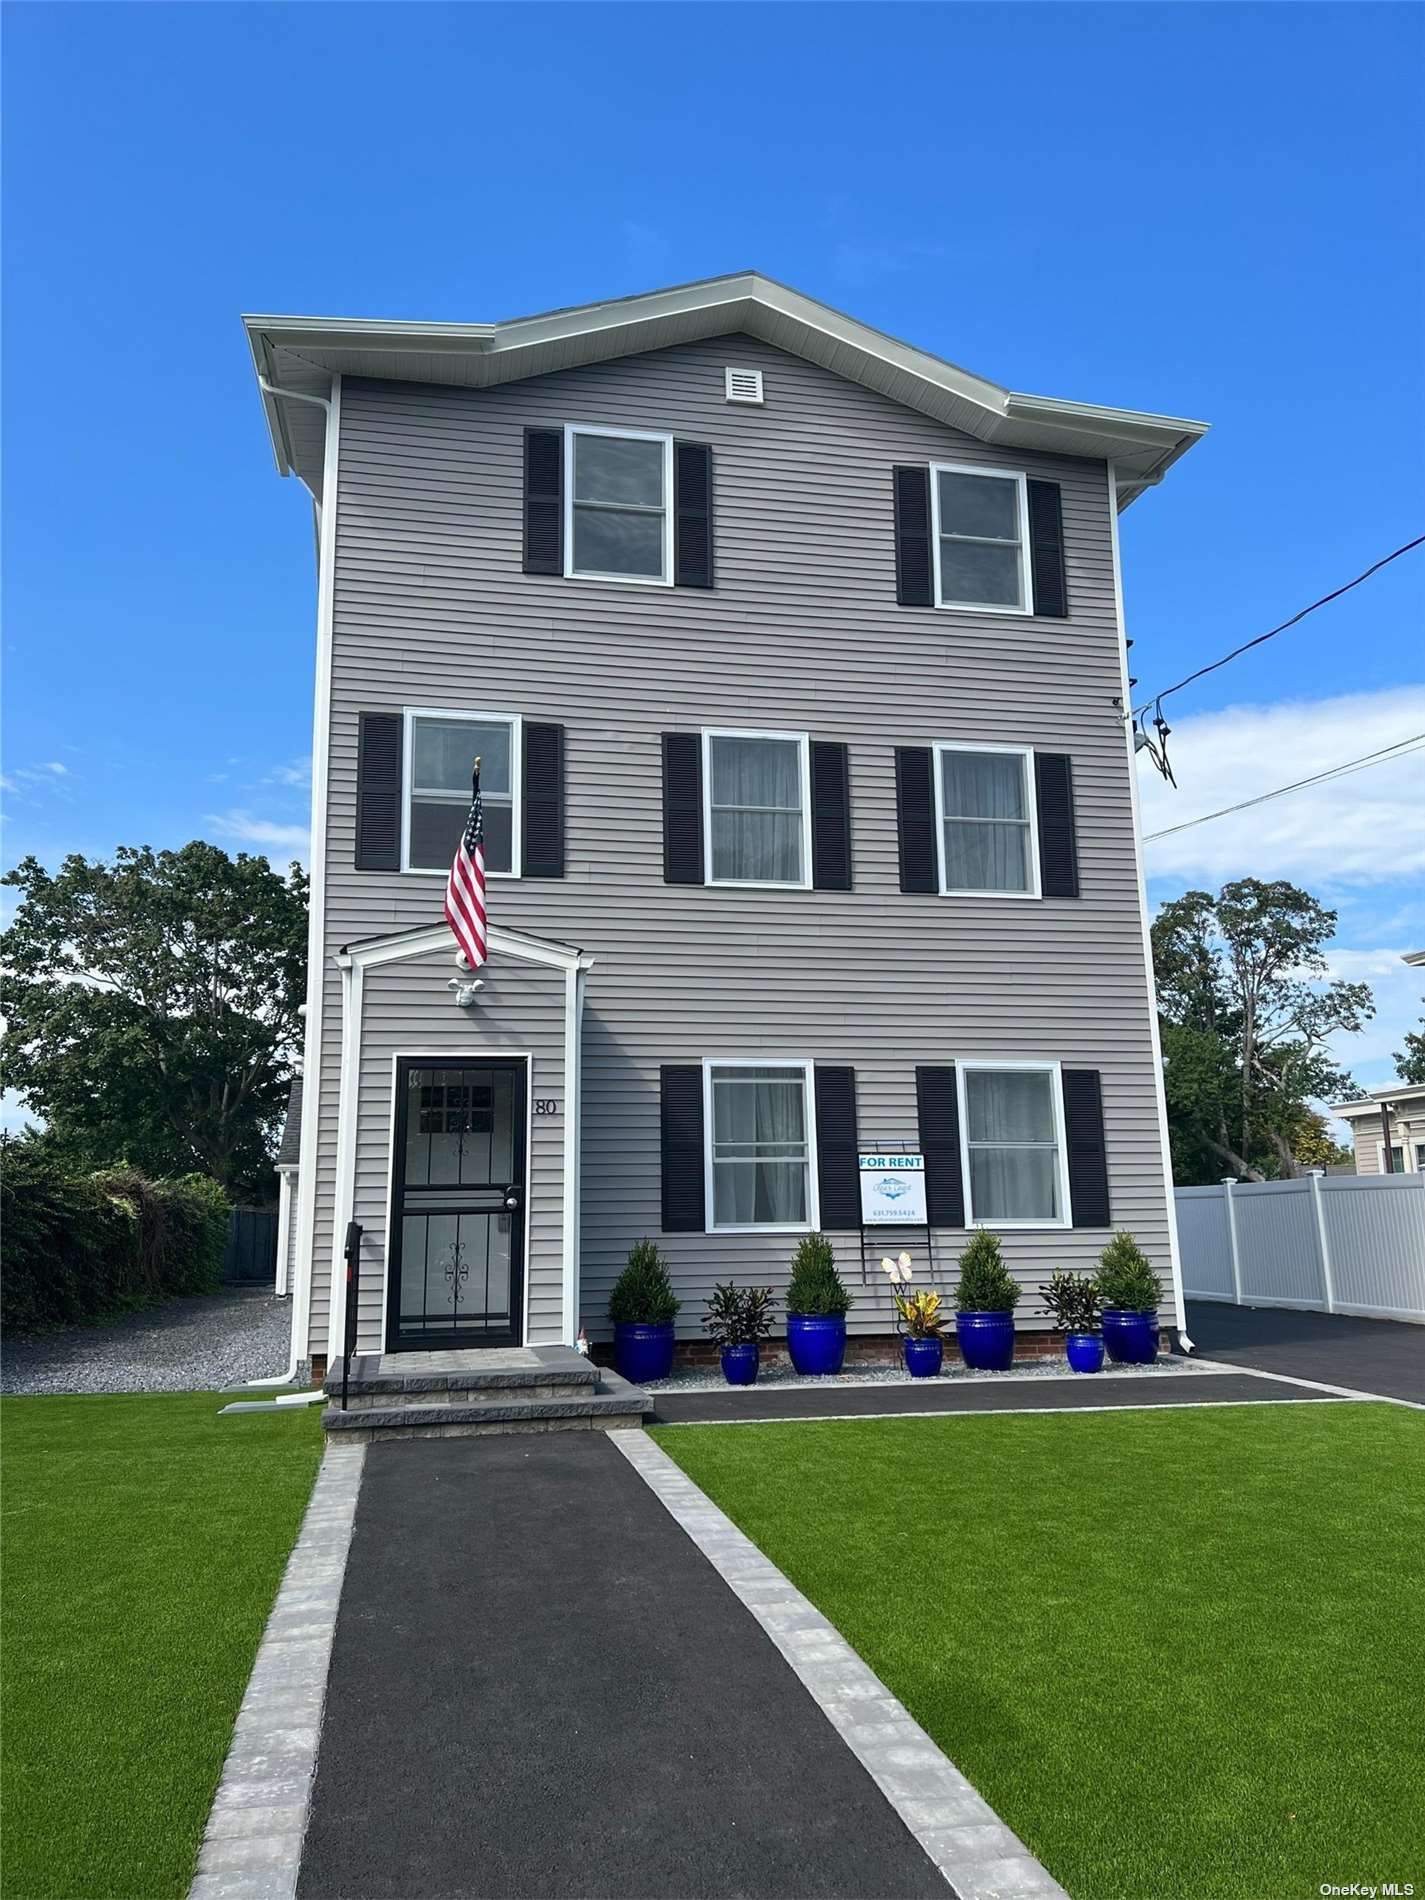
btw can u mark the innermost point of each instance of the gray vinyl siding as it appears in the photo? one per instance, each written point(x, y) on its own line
point(801, 632)
point(1368, 1140)
point(407, 1011)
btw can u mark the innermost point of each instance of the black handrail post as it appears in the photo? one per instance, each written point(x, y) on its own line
point(353, 1287)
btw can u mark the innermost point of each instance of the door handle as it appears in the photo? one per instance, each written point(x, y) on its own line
point(512, 1200)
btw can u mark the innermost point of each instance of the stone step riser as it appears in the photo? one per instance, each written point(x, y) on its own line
point(605, 1422)
point(463, 1394)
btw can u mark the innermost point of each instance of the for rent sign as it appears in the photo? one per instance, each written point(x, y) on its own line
point(893, 1190)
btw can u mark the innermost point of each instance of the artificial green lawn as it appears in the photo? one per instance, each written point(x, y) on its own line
point(144, 1539)
point(1182, 1653)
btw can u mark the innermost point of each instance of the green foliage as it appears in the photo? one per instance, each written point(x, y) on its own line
point(643, 1294)
point(817, 1290)
point(985, 1285)
point(1071, 1300)
point(1247, 1009)
point(78, 1247)
point(739, 1315)
point(152, 1004)
point(1410, 1061)
point(1125, 1279)
point(920, 1315)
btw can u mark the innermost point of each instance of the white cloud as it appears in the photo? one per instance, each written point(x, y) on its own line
point(1363, 829)
point(288, 841)
point(53, 765)
point(1397, 989)
point(297, 773)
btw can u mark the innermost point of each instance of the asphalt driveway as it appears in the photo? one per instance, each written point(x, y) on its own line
point(1385, 1356)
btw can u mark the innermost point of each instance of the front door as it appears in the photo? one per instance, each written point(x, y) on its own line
point(457, 1205)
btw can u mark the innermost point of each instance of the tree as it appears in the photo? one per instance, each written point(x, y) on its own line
point(152, 1007)
point(1246, 1010)
point(1410, 1061)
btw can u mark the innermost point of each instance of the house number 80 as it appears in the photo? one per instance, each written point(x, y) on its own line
point(545, 1105)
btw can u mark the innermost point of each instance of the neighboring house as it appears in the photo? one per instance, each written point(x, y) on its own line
point(289, 1157)
point(1401, 1111)
point(795, 658)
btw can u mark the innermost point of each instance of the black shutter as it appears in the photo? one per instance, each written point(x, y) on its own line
point(915, 818)
point(830, 817)
point(543, 501)
point(692, 515)
point(680, 1096)
point(837, 1169)
point(378, 791)
point(938, 1108)
point(1046, 550)
point(682, 808)
point(543, 852)
point(1088, 1152)
point(914, 587)
point(1058, 848)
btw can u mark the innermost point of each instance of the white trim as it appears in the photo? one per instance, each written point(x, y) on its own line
point(458, 1057)
point(348, 1102)
point(807, 1065)
point(1024, 752)
point(284, 1230)
point(1155, 1040)
point(515, 722)
point(501, 942)
point(1056, 1096)
point(317, 868)
point(802, 741)
point(1026, 584)
point(1406, 1157)
point(572, 573)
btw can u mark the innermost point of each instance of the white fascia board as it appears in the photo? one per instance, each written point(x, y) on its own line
point(419, 943)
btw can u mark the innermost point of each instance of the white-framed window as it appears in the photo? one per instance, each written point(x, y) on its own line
point(440, 749)
point(979, 522)
point(759, 1136)
point(1012, 1144)
point(1397, 1157)
point(618, 505)
point(756, 807)
point(1420, 1157)
point(987, 823)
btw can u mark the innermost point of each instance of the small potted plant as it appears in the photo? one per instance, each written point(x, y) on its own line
point(643, 1308)
point(738, 1319)
point(918, 1318)
point(817, 1303)
point(1128, 1294)
point(985, 1299)
point(1072, 1300)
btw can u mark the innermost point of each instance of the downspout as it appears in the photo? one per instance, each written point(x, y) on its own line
point(301, 1287)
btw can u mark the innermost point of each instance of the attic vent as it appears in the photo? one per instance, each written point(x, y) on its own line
point(744, 385)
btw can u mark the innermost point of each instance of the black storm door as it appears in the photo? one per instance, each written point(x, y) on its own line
point(457, 1206)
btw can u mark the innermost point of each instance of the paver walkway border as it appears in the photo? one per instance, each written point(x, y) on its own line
point(979, 1857)
point(253, 1842)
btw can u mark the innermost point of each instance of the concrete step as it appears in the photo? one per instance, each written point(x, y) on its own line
point(381, 1380)
point(459, 1413)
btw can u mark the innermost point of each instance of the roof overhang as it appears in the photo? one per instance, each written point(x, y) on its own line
point(1411, 1094)
point(302, 354)
point(522, 945)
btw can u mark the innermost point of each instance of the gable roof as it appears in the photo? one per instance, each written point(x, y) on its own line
point(1412, 1094)
point(302, 354)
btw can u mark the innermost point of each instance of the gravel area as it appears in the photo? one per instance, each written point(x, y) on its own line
point(703, 1377)
point(215, 1340)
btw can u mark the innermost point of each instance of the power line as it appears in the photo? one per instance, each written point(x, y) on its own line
point(1401, 749)
point(1201, 673)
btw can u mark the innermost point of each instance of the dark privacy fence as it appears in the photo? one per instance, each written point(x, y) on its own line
point(250, 1256)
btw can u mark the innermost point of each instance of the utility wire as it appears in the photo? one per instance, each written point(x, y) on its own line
point(1401, 749)
point(1158, 698)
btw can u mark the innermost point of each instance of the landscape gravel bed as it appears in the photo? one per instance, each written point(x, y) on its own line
point(215, 1340)
point(699, 1378)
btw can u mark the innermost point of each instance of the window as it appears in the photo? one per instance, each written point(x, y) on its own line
point(1012, 1119)
point(1420, 1157)
point(979, 528)
point(440, 749)
point(985, 797)
point(758, 807)
point(620, 524)
point(1397, 1157)
point(760, 1122)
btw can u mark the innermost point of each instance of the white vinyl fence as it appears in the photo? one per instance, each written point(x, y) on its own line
point(1337, 1243)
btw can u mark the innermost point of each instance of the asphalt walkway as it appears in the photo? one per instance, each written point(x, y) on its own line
point(541, 1690)
point(1386, 1356)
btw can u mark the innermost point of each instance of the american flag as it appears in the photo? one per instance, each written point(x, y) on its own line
point(465, 887)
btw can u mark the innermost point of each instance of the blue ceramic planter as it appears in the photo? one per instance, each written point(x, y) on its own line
point(817, 1344)
point(924, 1357)
point(1131, 1338)
point(986, 1340)
point(740, 1363)
point(1085, 1352)
point(643, 1352)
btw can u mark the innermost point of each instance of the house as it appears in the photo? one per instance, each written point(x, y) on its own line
point(1398, 1112)
point(795, 659)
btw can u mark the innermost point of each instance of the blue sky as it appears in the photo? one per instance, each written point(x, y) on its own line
point(1206, 210)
